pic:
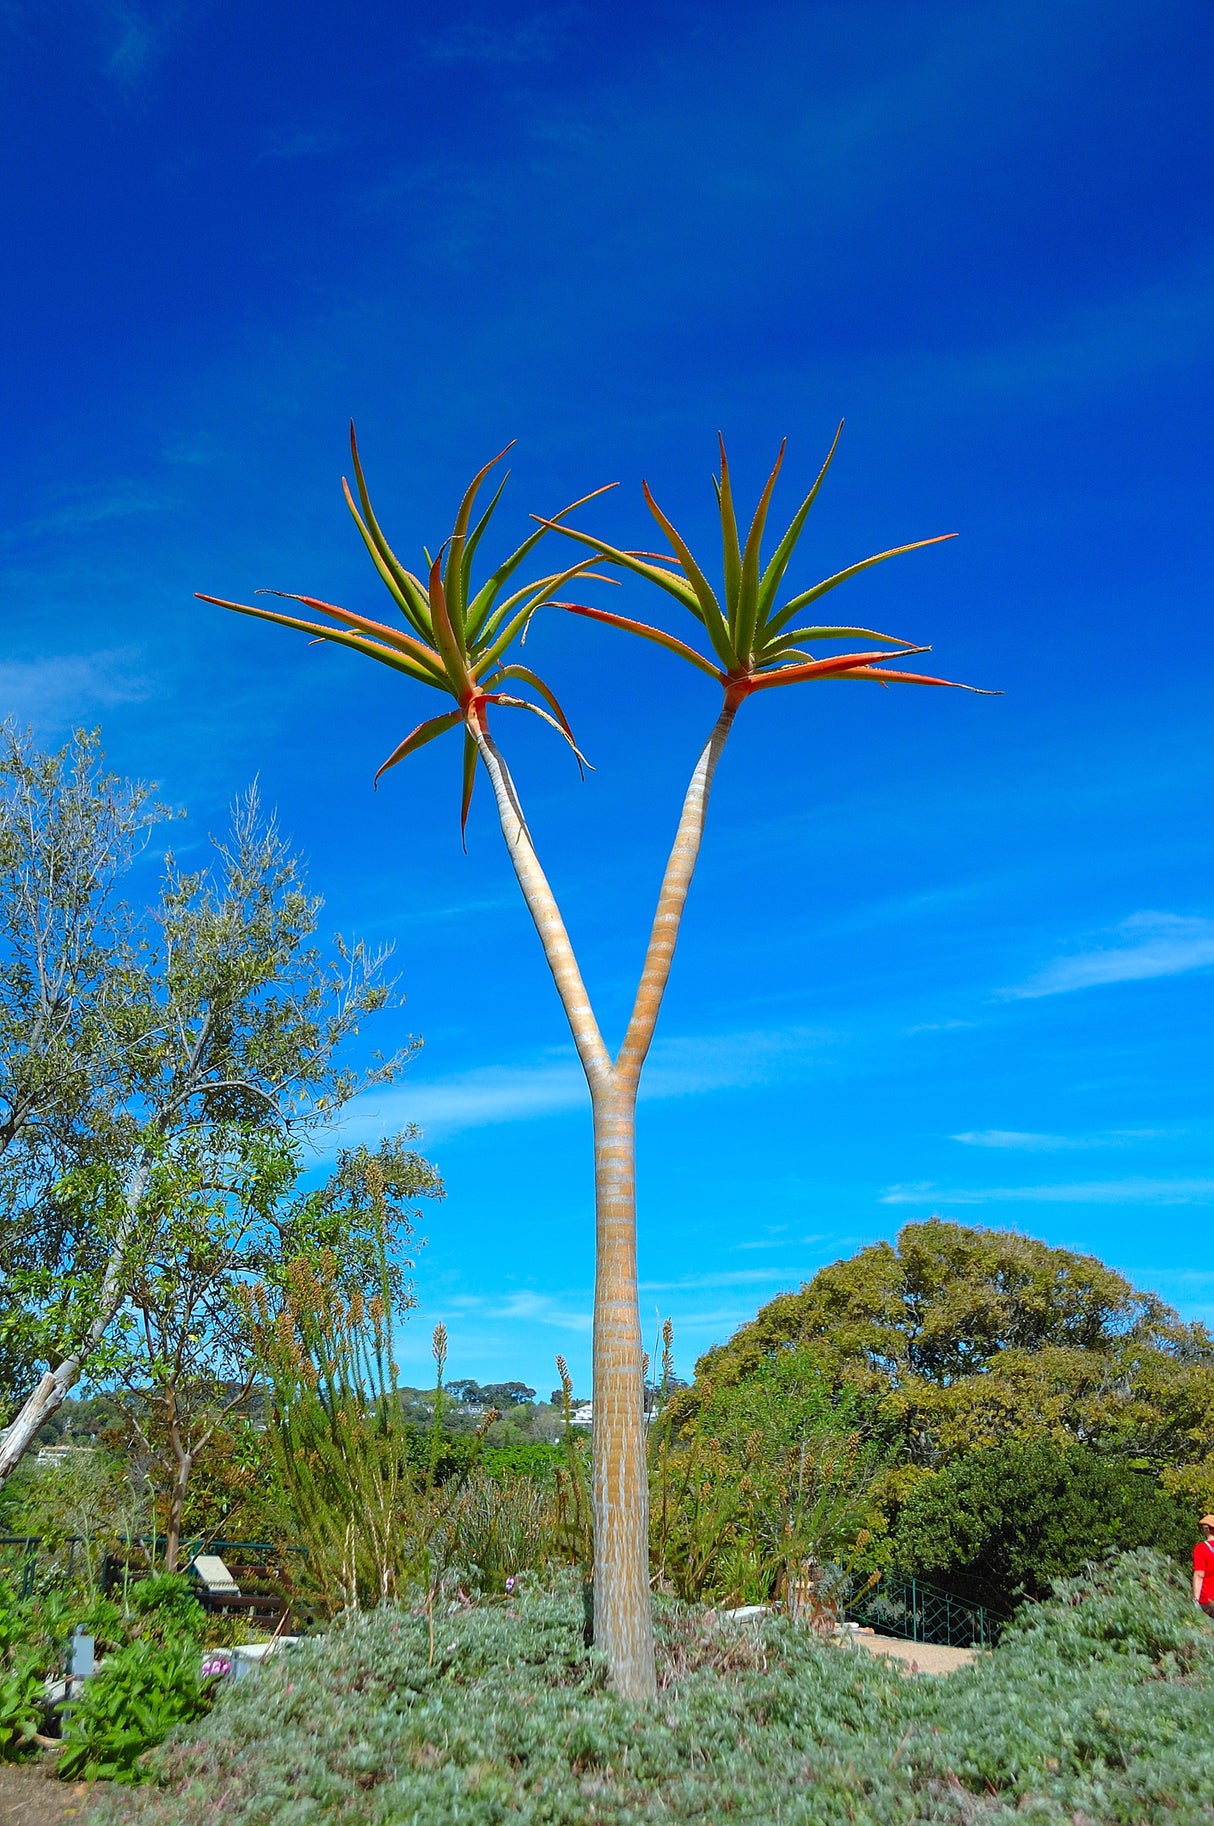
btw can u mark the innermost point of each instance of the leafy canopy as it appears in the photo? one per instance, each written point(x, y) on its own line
point(965, 1337)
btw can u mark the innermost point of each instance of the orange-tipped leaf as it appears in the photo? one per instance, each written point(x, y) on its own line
point(417, 738)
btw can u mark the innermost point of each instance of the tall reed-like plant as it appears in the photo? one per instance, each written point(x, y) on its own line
point(368, 1513)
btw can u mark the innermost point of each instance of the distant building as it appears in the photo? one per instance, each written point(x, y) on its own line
point(57, 1455)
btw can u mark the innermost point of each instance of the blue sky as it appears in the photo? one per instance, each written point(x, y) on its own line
point(945, 953)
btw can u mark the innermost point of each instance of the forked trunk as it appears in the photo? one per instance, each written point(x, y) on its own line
point(623, 1623)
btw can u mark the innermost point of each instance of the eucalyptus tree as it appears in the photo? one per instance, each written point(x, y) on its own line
point(229, 1015)
point(70, 831)
point(455, 640)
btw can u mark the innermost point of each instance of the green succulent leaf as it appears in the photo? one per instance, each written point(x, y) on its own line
point(417, 738)
point(387, 656)
point(853, 570)
point(773, 576)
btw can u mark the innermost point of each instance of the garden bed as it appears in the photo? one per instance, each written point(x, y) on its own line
point(1097, 1706)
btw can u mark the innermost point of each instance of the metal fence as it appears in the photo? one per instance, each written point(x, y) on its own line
point(919, 1612)
point(20, 1553)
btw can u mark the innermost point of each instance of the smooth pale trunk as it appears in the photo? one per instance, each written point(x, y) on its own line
point(623, 1623)
point(57, 1384)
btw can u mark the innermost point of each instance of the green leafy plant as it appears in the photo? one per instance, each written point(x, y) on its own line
point(1005, 1523)
point(21, 1696)
point(133, 1701)
point(164, 1607)
point(372, 1504)
point(1096, 1706)
point(502, 1527)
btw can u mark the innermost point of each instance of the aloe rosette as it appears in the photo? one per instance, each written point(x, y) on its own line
point(455, 640)
point(753, 646)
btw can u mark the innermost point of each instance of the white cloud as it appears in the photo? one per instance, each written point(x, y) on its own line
point(939, 1026)
point(1159, 944)
point(83, 508)
point(1029, 1143)
point(780, 1242)
point(682, 1066)
point(728, 1277)
point(470, 1100)
point(57, 690)
point(1089, 1192)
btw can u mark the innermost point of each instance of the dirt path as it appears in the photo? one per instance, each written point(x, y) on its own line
point(916, 1657)
point(31, 1794)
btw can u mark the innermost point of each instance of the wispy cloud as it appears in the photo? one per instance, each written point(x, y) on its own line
point(535, 39)
point(681, 1067)
point(134, 36)
point(304, 144)
point(780, 1242)
point(471, 1100)
point(1157, 944)
point(939, 1026)
point(1143, 329)
point(90, 507)
point(53, 691)
point(545, 1309)
point(1084, 1192)
point(1030, 1143)
point(726, 1277)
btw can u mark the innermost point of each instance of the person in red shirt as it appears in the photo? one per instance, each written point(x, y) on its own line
point(1203, 1567)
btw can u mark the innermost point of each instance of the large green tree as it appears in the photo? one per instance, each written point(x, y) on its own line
point(70, 831)
point(223, 1215)
point(963, 1337)
point(227, 1017)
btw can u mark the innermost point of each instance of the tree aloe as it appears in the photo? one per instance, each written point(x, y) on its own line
point(457, 643)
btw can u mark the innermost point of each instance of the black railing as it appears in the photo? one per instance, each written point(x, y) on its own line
point(112, 1553)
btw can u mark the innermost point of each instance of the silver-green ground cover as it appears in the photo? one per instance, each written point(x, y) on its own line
point(1097, 1707)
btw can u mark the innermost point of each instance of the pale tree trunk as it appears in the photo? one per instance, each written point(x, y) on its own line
point(56, 1385)
point(623, 1624)
point(183, 1465)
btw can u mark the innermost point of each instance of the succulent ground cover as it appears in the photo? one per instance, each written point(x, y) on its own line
point(1097, 1707)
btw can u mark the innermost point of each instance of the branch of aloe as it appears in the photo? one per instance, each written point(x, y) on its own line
point(672, 898)
point(543, 908)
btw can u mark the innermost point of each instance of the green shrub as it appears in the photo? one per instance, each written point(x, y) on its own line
point(502, 1526)
point(529, 1458)
point(165, 1608)
point(136, 1697)
point(764, 1476)
point(1005, 1523)
point(1099, 1706)
point(20, 1704)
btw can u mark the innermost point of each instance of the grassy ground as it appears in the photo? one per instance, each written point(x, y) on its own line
point(1098, 1707)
